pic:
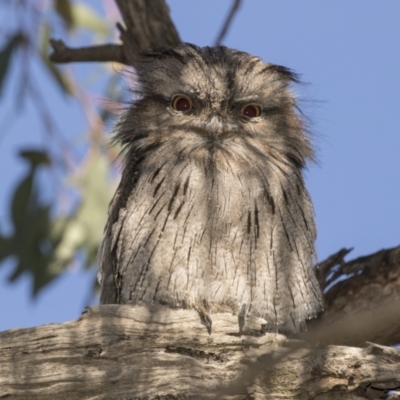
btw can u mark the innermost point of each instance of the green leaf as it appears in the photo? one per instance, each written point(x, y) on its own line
point(35, 157)
point(64, 10)
point(80, 15)
point(30, 244)
point(85, 17)
point(96, 193)
point(44, 246)
point(61, 79)
point(5, 57)
point(21, 198)
point(44, 44)
point(5, 248)
point(24, 191)
point(85, 230)
point(31, 247)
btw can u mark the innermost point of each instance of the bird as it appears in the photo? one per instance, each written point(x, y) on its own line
point(212, 212)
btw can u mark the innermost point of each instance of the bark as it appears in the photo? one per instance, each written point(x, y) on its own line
point(126, 352)
point(366, 305)
point(147, 27)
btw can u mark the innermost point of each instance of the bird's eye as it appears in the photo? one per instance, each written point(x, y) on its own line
point(251, 111)
point(182, 103)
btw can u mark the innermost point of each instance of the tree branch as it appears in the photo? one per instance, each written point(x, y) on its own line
point(366, 305)
point(118, 351)
point(148, 26)
point(108, 52)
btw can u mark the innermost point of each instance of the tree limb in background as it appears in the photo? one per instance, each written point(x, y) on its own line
point(366, 305)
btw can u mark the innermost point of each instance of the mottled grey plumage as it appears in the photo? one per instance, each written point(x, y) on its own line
point(212, 211)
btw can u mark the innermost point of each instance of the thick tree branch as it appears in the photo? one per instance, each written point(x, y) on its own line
point(108, 52)
point(366, 305)
point(148, 26)
point(123, 351)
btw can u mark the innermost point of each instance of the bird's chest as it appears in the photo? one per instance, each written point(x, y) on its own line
point(190, 229)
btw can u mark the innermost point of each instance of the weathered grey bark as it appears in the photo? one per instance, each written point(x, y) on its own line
point(365, 306)
point(121, 352)
point(147, 27)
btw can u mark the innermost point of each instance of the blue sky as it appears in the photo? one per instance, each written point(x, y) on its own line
point(347, 53)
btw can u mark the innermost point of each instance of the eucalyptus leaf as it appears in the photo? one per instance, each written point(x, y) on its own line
point(5, 248)
point(42, 245)
point(85, 230)
point(60, 77)
point(23, 192)
point(87, 18)
point(30, 243)
point(5, 57)
point(21, 198)
point(64, 10)
point(35, 157)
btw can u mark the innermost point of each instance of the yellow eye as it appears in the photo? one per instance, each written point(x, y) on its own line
point(182, 103)
point(251, 111)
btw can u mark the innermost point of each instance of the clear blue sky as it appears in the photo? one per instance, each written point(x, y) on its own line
point(348, 54)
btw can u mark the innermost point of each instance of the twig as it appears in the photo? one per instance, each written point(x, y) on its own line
point(224, 30)
point(108, 52)
point(331, 268)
